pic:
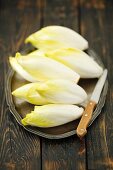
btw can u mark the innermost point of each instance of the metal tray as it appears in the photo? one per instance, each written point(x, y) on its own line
point(20, 108)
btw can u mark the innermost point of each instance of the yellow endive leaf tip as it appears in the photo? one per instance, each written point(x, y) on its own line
point(28, 39)
point(10, 59)
point(17, 55)
point(23, 122)
point(13, 93)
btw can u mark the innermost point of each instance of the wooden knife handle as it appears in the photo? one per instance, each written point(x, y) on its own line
point(86, 117)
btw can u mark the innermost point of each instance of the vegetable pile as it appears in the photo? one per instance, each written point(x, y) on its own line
point(53, 71)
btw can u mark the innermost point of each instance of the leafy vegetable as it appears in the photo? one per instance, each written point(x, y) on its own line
point(52, 91)
point(78, 61)
point(52, 115)
point(54, 37)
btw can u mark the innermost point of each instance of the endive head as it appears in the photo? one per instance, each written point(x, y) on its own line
point(63, 91)
point(52, 91)
point(77, 60)
point(54, 37)
point(52, 115)
point(44, 68)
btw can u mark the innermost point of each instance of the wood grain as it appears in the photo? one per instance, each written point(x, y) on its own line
point(68, 153)
point(63, 154)
point(64, 12)
point(96, 28)
point(19, 149)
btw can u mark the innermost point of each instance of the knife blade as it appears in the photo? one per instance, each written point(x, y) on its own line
point(87, 114)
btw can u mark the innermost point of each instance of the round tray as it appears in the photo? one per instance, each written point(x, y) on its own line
point(20, 108)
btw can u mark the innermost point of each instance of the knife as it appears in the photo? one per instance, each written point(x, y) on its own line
point(87, 114)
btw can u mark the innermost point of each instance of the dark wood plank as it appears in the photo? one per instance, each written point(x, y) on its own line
point(68, 154)
point(20, 149)
point(65, 13)
point(96, 26)
point(5, 143)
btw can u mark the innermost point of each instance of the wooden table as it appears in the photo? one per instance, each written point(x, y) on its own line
point(21, 150)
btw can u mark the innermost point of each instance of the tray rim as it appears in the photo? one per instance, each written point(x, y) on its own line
point(16, 115)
